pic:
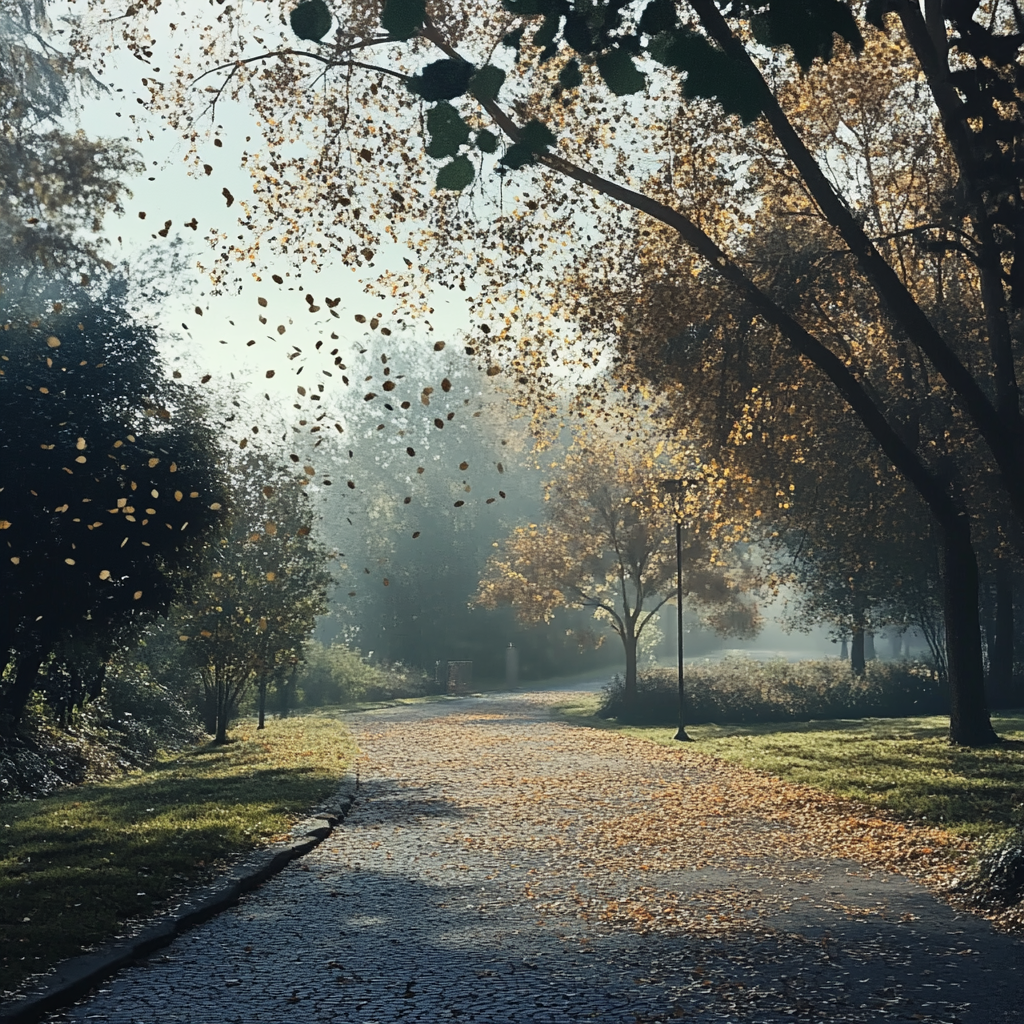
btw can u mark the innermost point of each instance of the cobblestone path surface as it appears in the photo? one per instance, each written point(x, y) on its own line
point(500, 866)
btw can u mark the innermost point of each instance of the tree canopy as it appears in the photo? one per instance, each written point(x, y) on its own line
point(547, 94)
point(109, 487)
point(607, 543)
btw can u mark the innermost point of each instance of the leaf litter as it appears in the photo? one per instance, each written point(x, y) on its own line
point(593, 835)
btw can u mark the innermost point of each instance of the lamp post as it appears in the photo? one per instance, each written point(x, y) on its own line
point(676, 488)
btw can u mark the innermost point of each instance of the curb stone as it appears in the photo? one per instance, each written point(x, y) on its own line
point(74, 978)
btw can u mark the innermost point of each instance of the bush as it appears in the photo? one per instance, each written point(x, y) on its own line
point(997, 879)
point(741, 690)
point(339, 675)
point(122, 729)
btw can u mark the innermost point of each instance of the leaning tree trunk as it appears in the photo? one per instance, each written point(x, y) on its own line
point(969, 722)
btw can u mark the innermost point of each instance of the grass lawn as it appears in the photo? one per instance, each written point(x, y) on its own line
point(75, 866)
point(903, 765)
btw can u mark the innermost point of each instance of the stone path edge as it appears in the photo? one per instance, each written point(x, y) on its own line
point(75, 977)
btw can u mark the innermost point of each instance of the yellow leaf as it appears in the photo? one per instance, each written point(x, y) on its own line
point(137, 594)
point(53, 342)
point(105, 574)
point(80, 444)
point(271, 576)
point(69, 561)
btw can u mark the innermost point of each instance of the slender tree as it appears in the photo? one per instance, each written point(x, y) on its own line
point(258, 591)
point(607, 543)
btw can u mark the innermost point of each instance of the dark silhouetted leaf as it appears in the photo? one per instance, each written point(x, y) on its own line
point(403, 18)
point(620, 73)
point(447, 131)
point(486, 142)
point(311, 20)
point(456, 175)
point(486, 83)
point(570, 76)
point(442, 80)
point(709, 72)
point(658, 16)
point(514, 39)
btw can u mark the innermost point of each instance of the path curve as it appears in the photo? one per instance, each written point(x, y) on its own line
point(501, 866)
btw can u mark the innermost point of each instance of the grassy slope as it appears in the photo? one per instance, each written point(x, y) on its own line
point(74, 867)
point(904, 765)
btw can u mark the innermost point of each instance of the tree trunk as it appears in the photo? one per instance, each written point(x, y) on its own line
point(1000, 655)
point(629, 642)
point(15, 700)
point(844, 650)
point(857, 651)
point(221, 735)
point(263, 702)
point(895, 643)
point(284, 690)
point(969, 722)
point(869, 645)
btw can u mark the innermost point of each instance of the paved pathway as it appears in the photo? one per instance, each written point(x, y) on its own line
point(503, 867)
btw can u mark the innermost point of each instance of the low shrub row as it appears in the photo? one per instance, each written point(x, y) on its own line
point(339, 675)
point(741, 690)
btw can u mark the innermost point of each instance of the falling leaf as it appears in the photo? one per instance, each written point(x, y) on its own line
point(227, 195)
point(105, 574)
point(53, 342)
point(271, 576)
point(137, 595)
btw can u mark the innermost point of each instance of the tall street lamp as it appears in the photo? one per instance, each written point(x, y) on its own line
point(677, 488)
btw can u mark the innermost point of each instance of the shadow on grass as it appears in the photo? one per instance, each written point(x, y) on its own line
point(905, 765)
point(76, 866)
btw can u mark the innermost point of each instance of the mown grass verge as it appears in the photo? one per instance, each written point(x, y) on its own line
point(77, 866)
point(903, 765)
